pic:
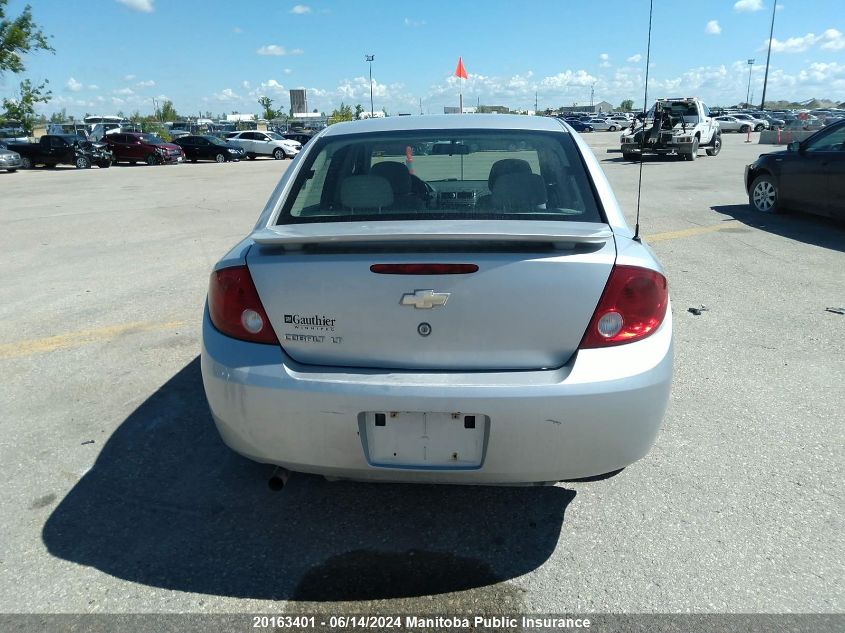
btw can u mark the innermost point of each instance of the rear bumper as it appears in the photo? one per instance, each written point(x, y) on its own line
point(599, 413)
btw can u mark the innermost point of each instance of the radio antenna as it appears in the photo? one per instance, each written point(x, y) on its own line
point(642, 132)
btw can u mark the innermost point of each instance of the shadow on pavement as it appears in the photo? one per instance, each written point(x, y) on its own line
point(803, 227)
point(167, 504)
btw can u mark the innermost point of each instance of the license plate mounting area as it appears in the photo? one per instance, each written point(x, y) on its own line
point(424, 440)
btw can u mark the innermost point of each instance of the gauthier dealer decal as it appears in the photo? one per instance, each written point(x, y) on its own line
point(314, 322)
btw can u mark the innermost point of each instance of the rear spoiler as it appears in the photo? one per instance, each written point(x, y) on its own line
point(562, 234)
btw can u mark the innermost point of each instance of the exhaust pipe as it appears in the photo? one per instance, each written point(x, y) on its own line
point(279, 478)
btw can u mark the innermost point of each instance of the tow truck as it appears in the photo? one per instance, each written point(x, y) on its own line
point(678, 126)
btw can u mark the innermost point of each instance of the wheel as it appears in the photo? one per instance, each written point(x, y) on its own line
point(693, 154)
point(612, 128)
point(251, 156)
point(278, 153)
point(26, 162)
point(151, 159)
point(50, 165)
point(12, 171)
point(220, 158)
point(763, 194)
point(759, 127)
point(114, 160)
point(745, 129)
point(82, 162)
point(717, 146)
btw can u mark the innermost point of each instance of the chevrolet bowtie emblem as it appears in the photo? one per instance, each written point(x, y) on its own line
point(425, 299)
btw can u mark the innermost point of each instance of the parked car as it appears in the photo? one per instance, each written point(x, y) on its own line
point(774, 122)
point(62, 149)
point(808, 176)
point(756, 124)
point(729, 123)
point(383, 325)
point(579, 126)
point(135, 147)
point(299, 137)
point(604, 125)
point(9, 160)
point(621, 120)
point(265, 144)
point(209, 148)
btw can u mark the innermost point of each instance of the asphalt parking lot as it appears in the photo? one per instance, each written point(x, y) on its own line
point(120, 497)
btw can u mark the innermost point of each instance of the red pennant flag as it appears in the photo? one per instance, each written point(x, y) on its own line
point(460, 71)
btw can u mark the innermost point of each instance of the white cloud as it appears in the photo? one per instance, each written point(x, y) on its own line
point(117, 102)
point(227, 95)
point(833, 40)
point(269, 87)
point(634, 58)
point(129, 77)
point(144, 6)
point(300, 9)
point(93, 87)
point(748, 5)
point(287, 71)
point(278, 51)
point(604, 57)
point(237, 29)
point(149, 83)
point(713, 27)
point(73, 85)
point(124, 91)
point(414, 23)
point(246, 85)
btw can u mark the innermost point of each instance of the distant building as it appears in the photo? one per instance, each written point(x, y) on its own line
point(493, 109)
point(457, 110)
point(601, 106)
point(298, 102)
point(240, 118)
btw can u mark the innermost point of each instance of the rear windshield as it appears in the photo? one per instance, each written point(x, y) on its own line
point(467, 174)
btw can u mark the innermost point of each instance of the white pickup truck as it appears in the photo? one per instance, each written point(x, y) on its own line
point(673, 126)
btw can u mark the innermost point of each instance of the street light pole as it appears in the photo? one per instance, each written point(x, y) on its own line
point(769, 55)
point(748, 92)
point(369, 59)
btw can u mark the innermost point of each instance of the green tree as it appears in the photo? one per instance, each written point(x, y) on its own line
point(19, 36)
point(59, 117)
point(358, 110)
point(343, 113)
point(627, 105)
point(167, 112)
point(266, 104)
point(23, 107)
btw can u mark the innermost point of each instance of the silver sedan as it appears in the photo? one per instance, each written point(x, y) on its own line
point(478, 313)
point(9, 160)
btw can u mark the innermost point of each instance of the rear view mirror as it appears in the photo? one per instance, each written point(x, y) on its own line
point(449, 149)
point(794, 146)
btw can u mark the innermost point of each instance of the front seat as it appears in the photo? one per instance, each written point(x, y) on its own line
point(519, 193)
point(499, 169)
point(399, 178)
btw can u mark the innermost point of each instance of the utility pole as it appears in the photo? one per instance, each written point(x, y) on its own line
point(535, 102)
point(369, 59)
point(592, 94)
point(748, 92)
point(769, 55)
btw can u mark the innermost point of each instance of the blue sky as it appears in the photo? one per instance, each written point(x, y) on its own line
point(210, 55)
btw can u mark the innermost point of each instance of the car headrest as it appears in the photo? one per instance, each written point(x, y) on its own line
point(366, 192)
point(396, 173)
point(519, 192)
point(507, 166)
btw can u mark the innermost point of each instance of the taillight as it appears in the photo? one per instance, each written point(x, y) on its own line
point(235, 309)
point(631, 307)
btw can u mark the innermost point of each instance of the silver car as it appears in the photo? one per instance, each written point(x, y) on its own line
point(9, 160)
point(477, 314)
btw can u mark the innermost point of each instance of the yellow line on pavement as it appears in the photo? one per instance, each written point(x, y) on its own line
point(695, 230)
point(81, 337)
